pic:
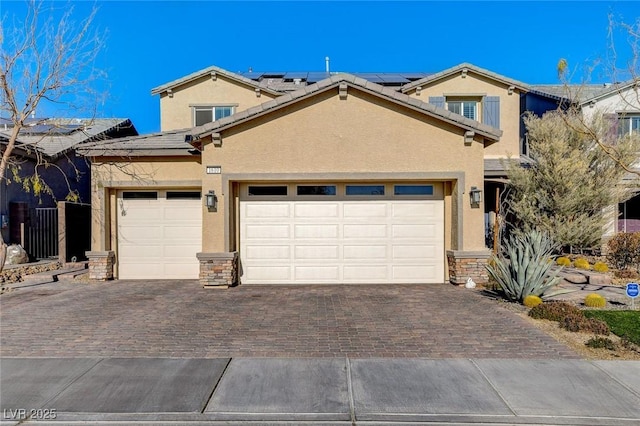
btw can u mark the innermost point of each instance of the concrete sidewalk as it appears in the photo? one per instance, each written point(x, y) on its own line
point(322, 391)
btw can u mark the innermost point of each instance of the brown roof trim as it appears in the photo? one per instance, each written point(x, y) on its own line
point(213, 71)
point(469, 67)
point(330, 83)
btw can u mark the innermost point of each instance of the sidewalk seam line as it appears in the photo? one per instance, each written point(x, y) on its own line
point(630, 389)
point(495, 389)
point(352, 408)
point(73, 381)
point(215, 386)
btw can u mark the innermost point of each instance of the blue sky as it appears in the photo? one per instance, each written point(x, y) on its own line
point(149, 43)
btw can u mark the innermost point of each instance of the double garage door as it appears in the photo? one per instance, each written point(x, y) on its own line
point(159, 234)
point(329, 234)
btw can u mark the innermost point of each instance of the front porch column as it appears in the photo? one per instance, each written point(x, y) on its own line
point(468, 264)
point(218, 270)
point(101, 265)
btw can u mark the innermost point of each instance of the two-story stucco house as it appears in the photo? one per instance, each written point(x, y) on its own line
point(309, 178)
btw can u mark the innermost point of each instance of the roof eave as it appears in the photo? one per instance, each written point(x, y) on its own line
point(194, 138)
point(208, 71)
point(470, 67)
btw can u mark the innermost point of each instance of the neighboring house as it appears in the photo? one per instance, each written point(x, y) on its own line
point(310, 178)
point(48, 146)
point(619, 103)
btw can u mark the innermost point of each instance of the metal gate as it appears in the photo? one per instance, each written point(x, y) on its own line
point(41, 239)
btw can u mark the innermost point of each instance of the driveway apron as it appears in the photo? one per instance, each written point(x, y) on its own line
point(173, 318)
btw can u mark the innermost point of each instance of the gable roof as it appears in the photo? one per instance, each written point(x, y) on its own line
point(208, 71)
point(469, 67)
point(386, 93)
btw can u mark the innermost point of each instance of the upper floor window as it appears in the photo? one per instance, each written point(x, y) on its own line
point(475, 107)
point(207, 114)
point(467, 109)
point(628, 124)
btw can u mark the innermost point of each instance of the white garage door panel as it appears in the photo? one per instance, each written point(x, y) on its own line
point(279, 274)
point(417, 212)
point(316, 231)
point(141, 233)
point(367, 241)
point(130, 253)
point(410, 273)
point(159, 239)
point(324, 210)
point(413, 231)
point(365, 252)
point(370, 273)
point(266, 231)
point(371, 231)
point(268, 252)
point(316, 273)
point(316, 252)
point(365, 210)
point(267, 210)
point(415, 252)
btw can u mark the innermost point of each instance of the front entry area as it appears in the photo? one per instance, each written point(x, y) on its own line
point(341, 233)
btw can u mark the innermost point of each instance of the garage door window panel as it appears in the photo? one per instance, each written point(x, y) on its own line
point(272, 190)
point(184, 195)
point(139, 195)
point(316, 190)
point(364, 190)
point(413, 190)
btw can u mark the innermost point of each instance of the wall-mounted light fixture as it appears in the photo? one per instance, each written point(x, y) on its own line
point(475, 194)
point(211, 201)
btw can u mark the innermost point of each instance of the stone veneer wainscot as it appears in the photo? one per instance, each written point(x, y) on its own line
point(101, 265)
point(219, 270)
point(468, 264)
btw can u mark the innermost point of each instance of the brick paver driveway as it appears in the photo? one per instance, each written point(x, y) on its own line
point(181, 319)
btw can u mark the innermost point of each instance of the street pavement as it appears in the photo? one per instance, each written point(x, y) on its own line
point(318, 391)
point(169, 352)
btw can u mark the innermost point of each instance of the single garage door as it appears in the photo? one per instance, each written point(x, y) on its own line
point(328, 234)
point(159, 234)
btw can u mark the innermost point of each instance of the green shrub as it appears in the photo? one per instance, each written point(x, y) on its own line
point(530, 301)
point(553, 311)
point(563, 261)
point(601, 267)
point(525, 267)
point(624, 250)
point(622, 323)
point(581, 263)
point(594, 300)
point(601, 342)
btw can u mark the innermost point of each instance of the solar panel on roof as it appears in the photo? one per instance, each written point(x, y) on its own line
point(374, 78)
point(38, 129)
point(292, 75)
point(394, 78)
point(314, 77)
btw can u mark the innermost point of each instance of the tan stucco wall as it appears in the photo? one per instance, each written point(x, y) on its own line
point(474, 84)
point(327, 135)
point(176, 110)
point(107, 178)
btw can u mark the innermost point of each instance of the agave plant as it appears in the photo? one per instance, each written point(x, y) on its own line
point(525, 266)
